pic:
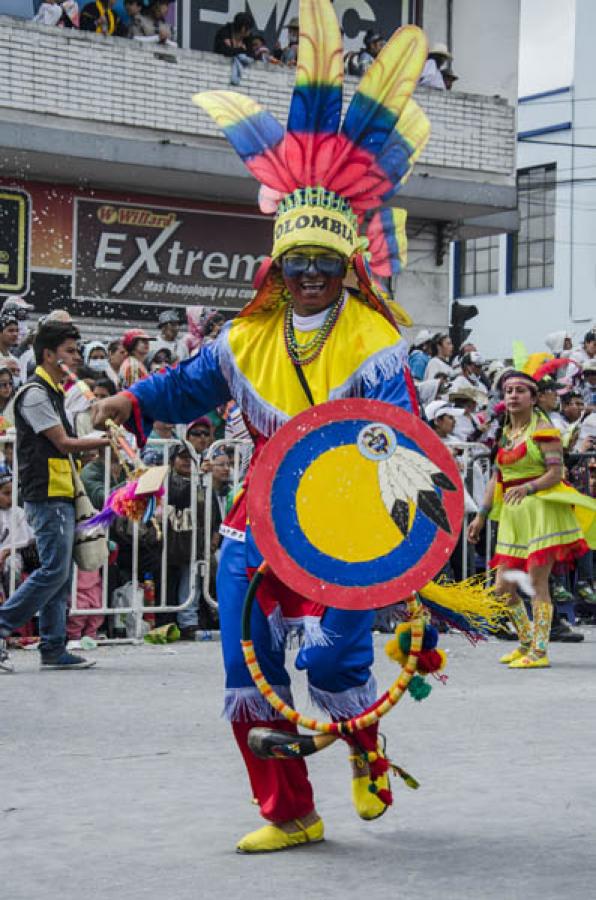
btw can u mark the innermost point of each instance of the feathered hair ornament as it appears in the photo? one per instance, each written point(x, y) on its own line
point(322, 178)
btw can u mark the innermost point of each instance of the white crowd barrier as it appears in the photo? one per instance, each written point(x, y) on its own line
point(473, 461)
point(201, 560)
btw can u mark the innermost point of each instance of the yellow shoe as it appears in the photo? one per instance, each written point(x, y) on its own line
point(367, 805)
point(531, 662)
point(515, 654)
point(270, 838)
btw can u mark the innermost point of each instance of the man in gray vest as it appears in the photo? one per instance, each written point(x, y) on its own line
point(45, 439)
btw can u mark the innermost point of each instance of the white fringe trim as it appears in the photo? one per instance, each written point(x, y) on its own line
point(248, 705)
point(300, 631)
point(266, 418)
point(345, 704)
point(382, 365)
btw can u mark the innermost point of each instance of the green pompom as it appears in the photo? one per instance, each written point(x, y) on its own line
point(419, 688)
point(405, 640)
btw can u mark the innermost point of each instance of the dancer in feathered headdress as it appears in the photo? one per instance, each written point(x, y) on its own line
point(320, 327)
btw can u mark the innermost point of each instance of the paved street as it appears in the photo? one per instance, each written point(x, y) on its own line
point(122, 782)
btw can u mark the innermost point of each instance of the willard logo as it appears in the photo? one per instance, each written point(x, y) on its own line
point(126, 215)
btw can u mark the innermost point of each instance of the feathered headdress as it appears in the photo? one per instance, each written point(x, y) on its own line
point(324, 181)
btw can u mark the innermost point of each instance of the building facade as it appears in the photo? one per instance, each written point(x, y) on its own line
point(542, 278)
point(136, 203)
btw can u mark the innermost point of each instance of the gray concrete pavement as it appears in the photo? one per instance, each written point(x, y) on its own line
point(122, 783)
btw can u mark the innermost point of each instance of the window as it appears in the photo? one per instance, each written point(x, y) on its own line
point(533, 247)
point(478, 267)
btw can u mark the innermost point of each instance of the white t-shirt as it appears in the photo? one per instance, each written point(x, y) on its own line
point(437, 366)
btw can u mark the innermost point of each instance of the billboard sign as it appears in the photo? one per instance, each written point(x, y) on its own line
point(14, 241)
point(202, 18)
point(143, 253)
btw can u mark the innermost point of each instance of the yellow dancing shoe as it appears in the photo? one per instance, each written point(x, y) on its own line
point(271, 839)
point(367, 805)
point(514, 654)
point(531, 662)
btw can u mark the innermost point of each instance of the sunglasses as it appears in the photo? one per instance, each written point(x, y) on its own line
point(198, 434)
point(294, 264)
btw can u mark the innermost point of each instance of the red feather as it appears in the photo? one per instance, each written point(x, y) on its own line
point(549, 368)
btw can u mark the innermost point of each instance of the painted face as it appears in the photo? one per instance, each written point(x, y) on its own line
point(314, 278)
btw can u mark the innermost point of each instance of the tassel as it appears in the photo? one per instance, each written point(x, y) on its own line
point(409, 780)
point(469, 606)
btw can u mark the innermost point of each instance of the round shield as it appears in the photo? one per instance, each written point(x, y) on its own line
point(355, 504)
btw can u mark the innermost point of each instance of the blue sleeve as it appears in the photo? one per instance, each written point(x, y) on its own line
point(179, 395)
point(394, 390)
point(418, 363)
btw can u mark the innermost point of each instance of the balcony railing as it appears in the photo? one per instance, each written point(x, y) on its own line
point(69, 75)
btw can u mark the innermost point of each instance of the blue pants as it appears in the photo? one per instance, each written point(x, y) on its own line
point(344, 666)
point(47, 589)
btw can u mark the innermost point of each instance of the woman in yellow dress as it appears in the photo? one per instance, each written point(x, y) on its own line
point(542, 521)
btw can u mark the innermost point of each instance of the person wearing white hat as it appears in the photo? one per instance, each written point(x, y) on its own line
point(471, 370)
point(441, 417)
point(438, 58)
point(420, 353)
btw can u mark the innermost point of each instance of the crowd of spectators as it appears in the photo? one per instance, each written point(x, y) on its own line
point(239, 40)
point(459, 393)
point(461, 399)
point(142, 20)
point(105, 367)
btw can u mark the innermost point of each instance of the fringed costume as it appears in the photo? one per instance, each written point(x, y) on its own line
point(323, 182)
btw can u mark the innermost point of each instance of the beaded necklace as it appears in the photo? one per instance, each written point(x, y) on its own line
point(303, 354)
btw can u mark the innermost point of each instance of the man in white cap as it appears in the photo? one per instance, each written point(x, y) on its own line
point(470, 376)
point(438, 58)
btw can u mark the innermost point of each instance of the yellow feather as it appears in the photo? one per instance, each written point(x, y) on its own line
point(320, 50)
point(226, 107)
point(395, 72)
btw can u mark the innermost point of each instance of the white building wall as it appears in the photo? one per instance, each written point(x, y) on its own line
point(485, 46)
point(571, 303)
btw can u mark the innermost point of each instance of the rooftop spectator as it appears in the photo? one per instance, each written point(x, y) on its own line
point(232, 39)
point(289, 54)
point(356, 63)
point(151, 26)
point(259, 49)
point(101, 18)
point(438, 60)
point(64, 14)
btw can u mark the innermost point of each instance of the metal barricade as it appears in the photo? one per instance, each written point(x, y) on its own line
point(473, 460)
point(200, 566)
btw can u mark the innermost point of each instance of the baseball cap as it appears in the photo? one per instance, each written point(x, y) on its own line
point(134, 334)
point(423, 336)
point(170, 315)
